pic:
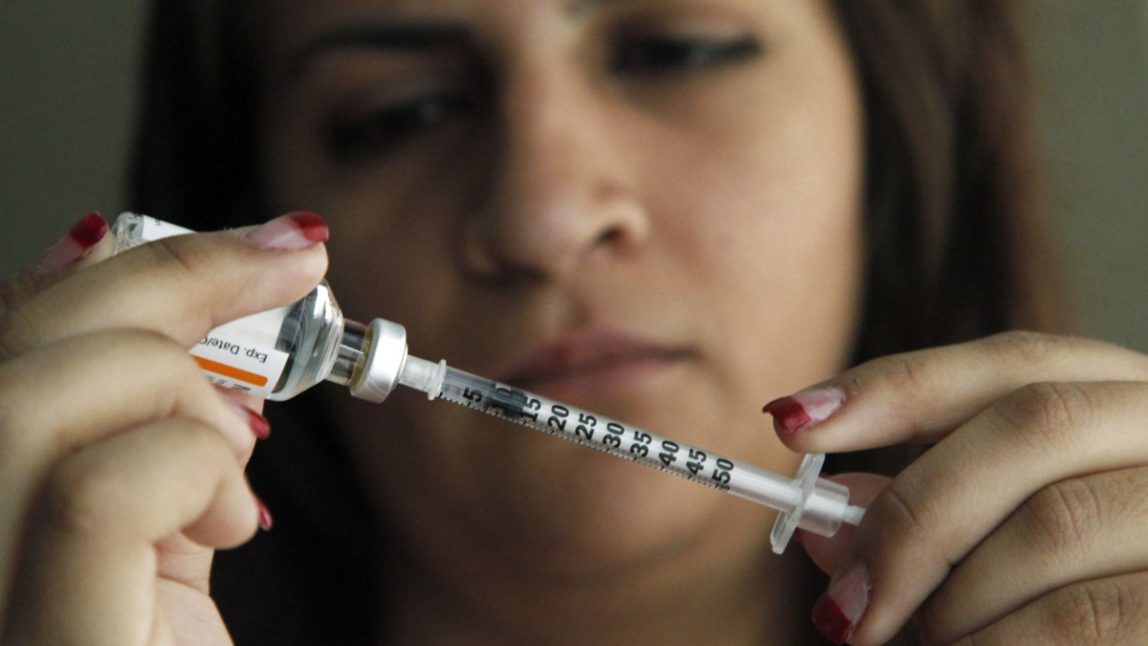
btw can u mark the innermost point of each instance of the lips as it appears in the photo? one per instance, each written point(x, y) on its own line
point(592, 363)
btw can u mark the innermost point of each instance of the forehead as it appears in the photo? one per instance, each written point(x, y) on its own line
point(291, 17)
point(301, 14)
point(282, 27)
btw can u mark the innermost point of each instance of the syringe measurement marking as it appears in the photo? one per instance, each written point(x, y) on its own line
point(561, 424)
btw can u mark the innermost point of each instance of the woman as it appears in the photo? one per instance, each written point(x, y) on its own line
point(671, 213)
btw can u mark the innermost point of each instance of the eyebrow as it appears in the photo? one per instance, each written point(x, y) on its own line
point(578, 7)
point(401, 37)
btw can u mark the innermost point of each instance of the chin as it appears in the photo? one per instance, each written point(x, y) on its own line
point(616, 516)
point(504, 499)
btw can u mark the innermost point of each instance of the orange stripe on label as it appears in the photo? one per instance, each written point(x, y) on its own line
point(231, 372)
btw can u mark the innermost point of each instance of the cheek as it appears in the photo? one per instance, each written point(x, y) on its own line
point(768, 228)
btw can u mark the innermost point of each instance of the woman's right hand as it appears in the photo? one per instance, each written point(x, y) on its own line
point(121, 466)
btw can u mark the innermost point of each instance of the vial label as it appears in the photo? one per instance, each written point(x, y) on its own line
point(153, 229)
point(241, 354)
point(234, 363)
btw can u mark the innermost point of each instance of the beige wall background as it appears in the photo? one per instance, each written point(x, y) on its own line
point(68, 73)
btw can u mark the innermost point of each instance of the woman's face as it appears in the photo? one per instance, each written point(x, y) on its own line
point(646, 208)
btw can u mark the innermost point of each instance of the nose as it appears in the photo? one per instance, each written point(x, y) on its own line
point(560, 194)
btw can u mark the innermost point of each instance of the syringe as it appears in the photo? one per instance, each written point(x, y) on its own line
point(806, 501)
point(279, 353)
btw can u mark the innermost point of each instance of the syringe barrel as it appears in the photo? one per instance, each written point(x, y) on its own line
point(765, 488)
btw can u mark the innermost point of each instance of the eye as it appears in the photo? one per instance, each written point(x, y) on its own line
point(380, 131)
point(669, 55)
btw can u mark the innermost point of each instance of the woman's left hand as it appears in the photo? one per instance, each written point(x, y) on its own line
point(1026, 523)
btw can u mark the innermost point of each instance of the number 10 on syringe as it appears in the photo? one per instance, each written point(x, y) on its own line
point(279, 353)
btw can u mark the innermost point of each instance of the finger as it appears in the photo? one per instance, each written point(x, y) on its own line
point(87, 237)
point(250, 407)
point(181, 286)
point(939, 508)
point(1111, 610)
point(110, 381)
point(921, 396)
point(87, 573)
point(1075, 530)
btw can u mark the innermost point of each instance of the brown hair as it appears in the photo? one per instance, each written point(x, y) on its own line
point(956, 243)
point(195, 161)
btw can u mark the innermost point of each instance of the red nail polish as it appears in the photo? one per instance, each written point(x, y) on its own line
point(258, 423)
point(89, 230)
point(788, 414)
point(265, 520)
point(832, 623)
point(75, 244)
point(805, 409)
point(838, 611)
point(313, 226)
point(291, 232)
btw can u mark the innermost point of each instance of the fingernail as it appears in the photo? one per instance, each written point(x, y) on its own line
point(75, 244)
point(291, 232)
point(258, 424)
point(838, 611)
point(804, 410)
point(265, 520)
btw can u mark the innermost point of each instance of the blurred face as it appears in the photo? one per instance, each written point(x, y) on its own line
point(647, 208)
